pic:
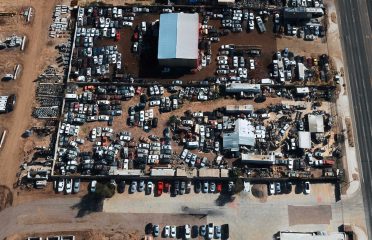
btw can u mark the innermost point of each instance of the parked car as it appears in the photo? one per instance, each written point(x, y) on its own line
point(307, 187)
point(160, 188)
point(133, 187)
point(156, 230)
point(203, 230)
point(272, 188)
point(187, 231)
point(183, 187)
point(210, 231)
point(76, 187)
point(149, 188)
point(93, 185)
point(205, 187)
point(121, 186)
point(212, 187)
point(217, 232)
point(166, 231)
point(173, 232)
point(197, 186)
point(278, 189)
point(141, 186)
point(61, 185)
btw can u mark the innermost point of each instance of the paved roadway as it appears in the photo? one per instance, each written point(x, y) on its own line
point(356, 39)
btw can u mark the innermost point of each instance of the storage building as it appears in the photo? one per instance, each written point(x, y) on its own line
point(243, 88)
point(236, 109)
point(178, 40)
point(316, 123)
point(311, 236)
point(243, 135)
point(304, 139)
point(258, 159)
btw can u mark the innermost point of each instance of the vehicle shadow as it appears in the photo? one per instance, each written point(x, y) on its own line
point(89, 203)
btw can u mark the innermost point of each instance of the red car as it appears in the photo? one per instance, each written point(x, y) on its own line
point(219, 187)
point(89, 88)
point(160, 188)
point(117, 37)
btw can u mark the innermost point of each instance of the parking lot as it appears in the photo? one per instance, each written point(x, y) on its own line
point(244, 213)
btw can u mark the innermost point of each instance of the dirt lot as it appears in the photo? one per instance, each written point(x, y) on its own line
point(119, 123)
point(146, 65)
point(37, 55)
point(83, 235)
point(303, 48)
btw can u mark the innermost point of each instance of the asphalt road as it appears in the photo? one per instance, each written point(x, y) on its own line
point(356, 39)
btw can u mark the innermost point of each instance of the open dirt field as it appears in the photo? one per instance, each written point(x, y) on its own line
point(38, 54)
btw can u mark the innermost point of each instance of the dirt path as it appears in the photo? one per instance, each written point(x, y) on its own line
point(33, 61)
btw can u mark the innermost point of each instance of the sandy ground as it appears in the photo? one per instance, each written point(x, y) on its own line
point(35, 57)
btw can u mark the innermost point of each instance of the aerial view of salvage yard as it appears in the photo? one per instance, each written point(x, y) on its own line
point(185, 119)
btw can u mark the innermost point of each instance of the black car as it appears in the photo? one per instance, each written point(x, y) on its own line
point(121, 187)
point(131, 110)
point(176, 188)
point(154, 122)
point(197, 186)
point(110, 121)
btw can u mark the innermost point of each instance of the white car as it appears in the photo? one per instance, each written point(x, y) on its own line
point(251, 64)
point(251, 25)
point(128, 24)
point(272, 188)
point(68, 188)
point(61, 185)
point(247, 186)
point(173, 232)
point(135, 47)
point(93, 185)
point(154, 103)
point(103, 118)
point(307, 187)
point(210, 231)
point(223, 61)
point(219, 58)
point(166, 231)
point(187, 231)
point(149, 187)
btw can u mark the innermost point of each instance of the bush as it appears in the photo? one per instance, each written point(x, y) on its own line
point(105, 190)
point(239, 185)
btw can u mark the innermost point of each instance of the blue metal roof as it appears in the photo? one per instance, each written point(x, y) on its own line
point(168, 36)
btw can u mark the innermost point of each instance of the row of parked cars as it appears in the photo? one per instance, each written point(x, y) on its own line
point(286, 187)
point(176, 187)
point(209, 231)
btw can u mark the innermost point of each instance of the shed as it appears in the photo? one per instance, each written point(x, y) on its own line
point(162, 172)
point(233, 109)
point(243, 87)
point(209, 172)
point(304, 139)
point(316, 123)
point(311, 236)
point(258, 159)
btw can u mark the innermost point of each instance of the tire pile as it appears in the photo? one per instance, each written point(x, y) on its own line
point(46, 112)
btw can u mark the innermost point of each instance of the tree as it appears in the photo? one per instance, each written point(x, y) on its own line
point(173, 120)
point(239, 185)
point(105, 190)
point(235, 173)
